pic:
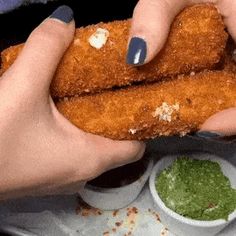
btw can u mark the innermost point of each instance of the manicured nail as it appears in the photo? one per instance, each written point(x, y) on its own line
point(208, 135)
point(63, 13)
point(137, 51)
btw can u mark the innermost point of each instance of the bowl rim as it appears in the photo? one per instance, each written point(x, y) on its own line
point(172, 213)
point(145, 174)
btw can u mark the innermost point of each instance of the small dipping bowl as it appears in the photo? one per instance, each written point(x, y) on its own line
point(180, 225)
point(106, 198)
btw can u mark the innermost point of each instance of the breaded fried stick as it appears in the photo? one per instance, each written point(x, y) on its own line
point(96, 59)
point(173, 107)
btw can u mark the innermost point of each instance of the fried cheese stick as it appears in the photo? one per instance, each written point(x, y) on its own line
point(96, 59)
point(141, 112)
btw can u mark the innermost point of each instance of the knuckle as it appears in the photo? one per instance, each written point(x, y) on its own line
point(134, 149)
point(92, 169)
point(137, 157)
point(49, 36)
point(99, 165)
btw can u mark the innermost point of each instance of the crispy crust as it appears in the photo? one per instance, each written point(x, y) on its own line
point(133, 113)
point(196, 41)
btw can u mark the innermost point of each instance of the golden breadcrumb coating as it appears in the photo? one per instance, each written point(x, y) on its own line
point(173, 107)
point(196, 41)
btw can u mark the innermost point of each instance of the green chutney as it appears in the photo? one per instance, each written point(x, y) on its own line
point(196, 189)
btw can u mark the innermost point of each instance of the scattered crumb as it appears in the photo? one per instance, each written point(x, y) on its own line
point(86, 90)
point(114, 230)
point(155, 215)
point(132, 217)
point(106, 233)
point(192, 73)
point(164, 112)
point(133, 210)
point(182, 133)
point(132, 222)
point(128, 234)
point(132, 131)
point(115, 213)
point(99, 38)
point(85, 210)
point(118, 224)
point(164, 232)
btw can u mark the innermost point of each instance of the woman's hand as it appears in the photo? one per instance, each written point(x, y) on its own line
point(150, 27)
point(40, 151)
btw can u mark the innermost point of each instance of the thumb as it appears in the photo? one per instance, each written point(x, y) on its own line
point(219, 125)
point(227, 8)
point(39, 58)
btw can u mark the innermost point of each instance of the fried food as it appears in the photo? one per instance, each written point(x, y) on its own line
point(96, 59)
point(173, 107)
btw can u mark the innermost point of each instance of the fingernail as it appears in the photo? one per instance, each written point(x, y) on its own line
point(208, 135)
point(137, 51)
point(63, 13)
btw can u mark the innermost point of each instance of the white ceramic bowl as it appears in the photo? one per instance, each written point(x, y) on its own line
point(115, 198)
point(178, 224)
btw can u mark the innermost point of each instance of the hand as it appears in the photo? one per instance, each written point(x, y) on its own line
point(150, 27)
point(40, 151)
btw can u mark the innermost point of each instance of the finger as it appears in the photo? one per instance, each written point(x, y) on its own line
point(220, 125)
point(112, 154)
point(9, 5)
point(150, 27)
point(125, 152)
point(100, 154)
point(227, 8)
point(66, 189)
point(35, 66)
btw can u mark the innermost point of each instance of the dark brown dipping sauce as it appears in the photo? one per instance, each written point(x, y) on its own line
point(121, 176)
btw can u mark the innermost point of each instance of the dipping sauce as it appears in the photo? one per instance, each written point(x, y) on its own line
point(121, 176)
point(196, 189)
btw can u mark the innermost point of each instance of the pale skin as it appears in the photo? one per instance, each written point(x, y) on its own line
point(43, 153)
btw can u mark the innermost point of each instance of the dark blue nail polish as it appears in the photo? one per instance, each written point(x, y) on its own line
point(63, 13)
point(137, 51)
point(208, 135)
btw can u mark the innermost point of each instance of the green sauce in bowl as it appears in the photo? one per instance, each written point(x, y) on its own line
point(196, 189)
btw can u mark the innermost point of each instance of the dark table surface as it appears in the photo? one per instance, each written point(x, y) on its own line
point(17, 25)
